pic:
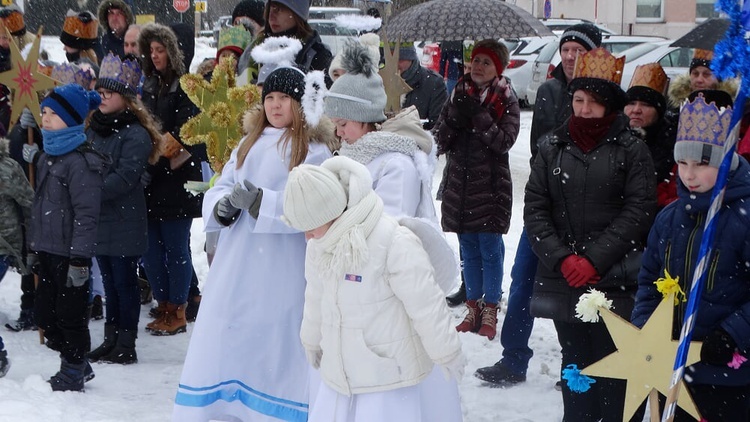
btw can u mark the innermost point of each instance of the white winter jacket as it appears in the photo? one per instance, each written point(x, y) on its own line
point(382, 327)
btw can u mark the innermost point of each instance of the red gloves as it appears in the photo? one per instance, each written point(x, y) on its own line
point(578, 271)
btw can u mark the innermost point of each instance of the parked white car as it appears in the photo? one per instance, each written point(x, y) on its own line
point(549, 58)
point(674, 60)
point(521, 62)
point(331, 34)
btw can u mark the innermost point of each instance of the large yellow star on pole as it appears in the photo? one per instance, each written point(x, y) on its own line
point(25, 80)
point(644, 357)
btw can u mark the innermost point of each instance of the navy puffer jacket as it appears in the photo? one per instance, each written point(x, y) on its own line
point(674, 244)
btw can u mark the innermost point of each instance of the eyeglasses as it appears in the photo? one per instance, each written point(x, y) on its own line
point(105, 93)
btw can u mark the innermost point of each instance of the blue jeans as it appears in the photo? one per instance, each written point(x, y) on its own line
point(167, 261)
point(483, 255)
point(514, 336)
point(120, 278)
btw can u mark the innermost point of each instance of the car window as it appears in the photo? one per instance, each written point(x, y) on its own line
point(546, 54)
point(674, 59)
point(637, 51)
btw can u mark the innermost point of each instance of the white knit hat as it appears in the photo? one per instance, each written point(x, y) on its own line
point(313, 197)
point(359, 94)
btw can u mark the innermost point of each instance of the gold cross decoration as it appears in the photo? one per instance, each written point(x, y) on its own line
point(222, 105)
point(644, 357)
point(25, 79)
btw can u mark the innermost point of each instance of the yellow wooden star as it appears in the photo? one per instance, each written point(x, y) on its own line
point(395, 86)
point(222, 105)
point(24, 79)
point(644, 357)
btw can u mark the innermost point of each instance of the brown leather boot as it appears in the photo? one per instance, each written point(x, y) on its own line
point(173, 322)
point(488, 326)
point(161, 309)
point(471, 321)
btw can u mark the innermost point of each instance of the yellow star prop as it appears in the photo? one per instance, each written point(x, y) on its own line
point(25, 80)
point(222, 105)
point(394, 84)
point(644, 357)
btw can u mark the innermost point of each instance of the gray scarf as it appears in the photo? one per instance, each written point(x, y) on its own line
point(373, 144)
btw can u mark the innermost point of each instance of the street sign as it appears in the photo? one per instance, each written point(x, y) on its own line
point(181, 5)
point(201, 6)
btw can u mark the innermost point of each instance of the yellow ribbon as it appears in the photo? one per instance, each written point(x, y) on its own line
point(668, 285)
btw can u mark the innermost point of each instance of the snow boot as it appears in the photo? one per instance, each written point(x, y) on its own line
point(124, 351)
point(24, 322)
point(88, 372)
point(191, 312)
point(488, 326)
point(457, 298)
point(110, 339)
point(499, 375)
point(158, 313)
point(70, 377)
point(96, 308)
point(145, 289)
point(472, 320)
point(4, 363)
point(173, 322)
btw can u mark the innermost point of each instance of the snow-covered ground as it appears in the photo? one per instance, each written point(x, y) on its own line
point(145, 391)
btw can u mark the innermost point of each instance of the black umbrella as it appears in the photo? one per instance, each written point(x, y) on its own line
point(704, 36)
point(455, 20)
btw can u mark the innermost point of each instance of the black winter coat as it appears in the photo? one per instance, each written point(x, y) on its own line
point(122, 227)
point(166, 196)
point(599, 205)
point(477, 187)
point(67, 200)
point(551, 108)
point(428, 93)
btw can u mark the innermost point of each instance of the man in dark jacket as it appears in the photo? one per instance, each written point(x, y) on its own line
point(551, 110)
point(428, 92)
point(115, 16)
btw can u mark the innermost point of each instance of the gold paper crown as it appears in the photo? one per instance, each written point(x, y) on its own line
point(651, 76)
point(706, 55)
point(14, 21)
point(600, 64)
point(702, 122)
point(234, 36)
point(74, 26)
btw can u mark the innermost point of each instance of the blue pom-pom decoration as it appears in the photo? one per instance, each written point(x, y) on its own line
point(577, 382)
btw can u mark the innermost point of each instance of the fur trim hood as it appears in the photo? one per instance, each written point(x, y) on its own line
point(104, 6)
point(679, 89)
point(164, 35)
point(323, 133)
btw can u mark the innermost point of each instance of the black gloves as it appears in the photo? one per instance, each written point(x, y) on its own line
point(718, 348)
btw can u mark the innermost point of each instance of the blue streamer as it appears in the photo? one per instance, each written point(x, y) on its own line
point(577, 382)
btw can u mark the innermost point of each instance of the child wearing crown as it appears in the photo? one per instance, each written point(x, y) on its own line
point(720, 383)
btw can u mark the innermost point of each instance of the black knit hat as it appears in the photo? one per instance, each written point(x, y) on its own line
point(253, 9)
point(649, 96)
point(289, 80)
point(586, 34)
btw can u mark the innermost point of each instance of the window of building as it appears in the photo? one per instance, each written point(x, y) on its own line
point(705, 9)
point(649, 11)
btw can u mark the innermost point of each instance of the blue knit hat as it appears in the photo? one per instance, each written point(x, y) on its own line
point(72, 103)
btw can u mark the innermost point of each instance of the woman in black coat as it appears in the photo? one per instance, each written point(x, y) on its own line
point(171, 208)
point(590, 201)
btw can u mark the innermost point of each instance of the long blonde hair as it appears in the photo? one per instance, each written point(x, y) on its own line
point(297, 133)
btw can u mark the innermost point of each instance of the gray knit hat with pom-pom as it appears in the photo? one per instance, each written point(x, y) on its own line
point(359, 94)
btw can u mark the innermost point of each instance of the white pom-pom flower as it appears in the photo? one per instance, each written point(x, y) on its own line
point(587, 308)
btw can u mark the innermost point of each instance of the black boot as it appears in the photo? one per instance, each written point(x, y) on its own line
point(97, 308)
point(191, 311)
point(110, 339)
point(69, 377)
point(4, 363)
point(24, 322)
point(457, 298)
point(499, 375)
point(124, 351)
